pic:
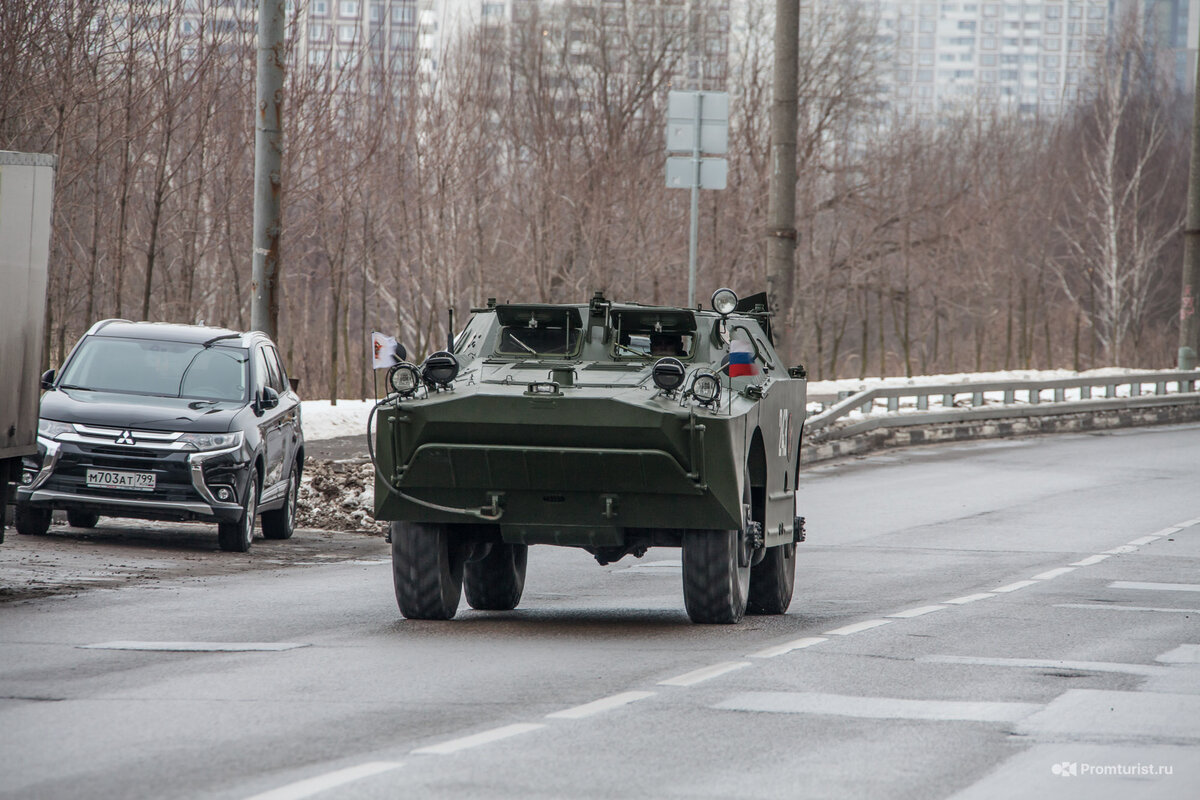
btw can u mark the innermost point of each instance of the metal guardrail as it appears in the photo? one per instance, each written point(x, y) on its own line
point(933, 404)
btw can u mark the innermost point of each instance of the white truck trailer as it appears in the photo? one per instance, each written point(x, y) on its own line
point(26, 203)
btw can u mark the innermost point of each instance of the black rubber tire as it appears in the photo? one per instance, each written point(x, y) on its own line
point(772, 581)
point(281, 523)
point(427, 570)
point(495, 582)
point(32, 521)
point(715, 587)
point(82, 519)
point(236, 537)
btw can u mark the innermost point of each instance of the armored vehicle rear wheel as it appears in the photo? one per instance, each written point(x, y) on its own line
point(716, 575)
point(427, 570)
point(772, 580)
point(495, 582)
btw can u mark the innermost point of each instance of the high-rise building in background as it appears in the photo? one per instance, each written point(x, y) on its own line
point(1031, 56)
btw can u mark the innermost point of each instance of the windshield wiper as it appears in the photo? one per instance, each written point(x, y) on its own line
point(80, 388)
point(513, 336)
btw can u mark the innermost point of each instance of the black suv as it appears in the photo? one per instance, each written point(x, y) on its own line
point(174, 422)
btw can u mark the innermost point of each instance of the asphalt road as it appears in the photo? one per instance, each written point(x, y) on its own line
point(1012, 619)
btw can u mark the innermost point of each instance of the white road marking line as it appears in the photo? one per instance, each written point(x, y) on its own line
point(1107, 607)
point(1158, 587)
point(787, 647)
point(703, 674)
point(1116, 551)
point(877, 707)
point(1184, 654)
point(1053, 573)
point(1145, 540)
point(1090, 560)
point(475, 740)
point(866, 625)
point(1189, 523)
point(1174, 528)
point(1012, 587)
point(1048, 663)
point(321, 783)
point(919, 611)
point(196, 647)
point(970, 598)
point(601, 705)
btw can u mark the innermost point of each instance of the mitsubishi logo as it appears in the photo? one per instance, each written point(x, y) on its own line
point(126, 437)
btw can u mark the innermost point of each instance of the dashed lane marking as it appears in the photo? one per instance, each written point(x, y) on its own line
point(322, 783)
point(970, 598)
point(866, 625)
point(1012, 587)
point(1156, 587)
point(601, 705)
point(1053, 573)
point(919, 611)
point(1090, 560)
point(704, 674)
point(1107, 607)
point(467, 742)
point(197, 647)
point(787, 647)
point(877, 707)
point(1117, 551)
point(1184, 654)
point(1048, 663)
point(1174, 528)
point(1145, 540)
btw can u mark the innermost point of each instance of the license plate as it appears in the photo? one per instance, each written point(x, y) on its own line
point(111, 479)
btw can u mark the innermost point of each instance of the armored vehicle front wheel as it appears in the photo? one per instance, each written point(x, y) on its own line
point(427, 570)
point(495, 582)
point(772, 581)
point(716, 575)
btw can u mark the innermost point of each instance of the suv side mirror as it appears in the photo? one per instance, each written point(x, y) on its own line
point(48, 380)
point(797, 371)
point(268, 399)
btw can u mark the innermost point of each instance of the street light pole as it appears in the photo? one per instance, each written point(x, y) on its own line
point(1189, 324)
point(781, 235)
point(268, 163)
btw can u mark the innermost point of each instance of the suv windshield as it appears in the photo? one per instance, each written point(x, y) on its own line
point(154, 367)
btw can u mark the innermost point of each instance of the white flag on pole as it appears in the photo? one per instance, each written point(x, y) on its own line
point(383, 350)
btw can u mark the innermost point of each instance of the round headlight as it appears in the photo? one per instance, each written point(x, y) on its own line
point(724, 302)
point(706, 388)
point(404, 378)
point(668, 374)
point(440, 368)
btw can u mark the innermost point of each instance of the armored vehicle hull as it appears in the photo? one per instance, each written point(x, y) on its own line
point(565, 425)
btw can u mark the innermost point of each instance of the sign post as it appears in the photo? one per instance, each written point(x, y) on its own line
point(697, 122)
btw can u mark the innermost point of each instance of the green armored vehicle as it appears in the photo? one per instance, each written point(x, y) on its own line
point(610, 427)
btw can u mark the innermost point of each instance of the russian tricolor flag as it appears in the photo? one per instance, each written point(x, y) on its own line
point(741, 359)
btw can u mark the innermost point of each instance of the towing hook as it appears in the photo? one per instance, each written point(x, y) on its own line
point(798, 533)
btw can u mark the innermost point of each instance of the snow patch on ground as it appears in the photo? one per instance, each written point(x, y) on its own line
point(324, 421)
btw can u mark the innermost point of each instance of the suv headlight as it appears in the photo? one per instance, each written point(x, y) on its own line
point(212, 441)
point(52, 429)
